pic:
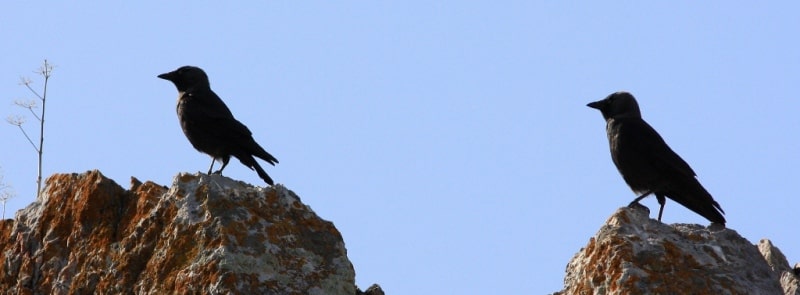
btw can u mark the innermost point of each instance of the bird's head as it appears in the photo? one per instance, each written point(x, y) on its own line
point(617, 105)
point(186, 77)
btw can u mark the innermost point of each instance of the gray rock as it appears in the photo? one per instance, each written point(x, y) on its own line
point(777, 261)
point(774, 257)
point(633, 254)
point(375, 289)
point(203, 235)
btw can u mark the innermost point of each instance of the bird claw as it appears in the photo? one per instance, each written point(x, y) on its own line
point(218, 172)
point(636, 205)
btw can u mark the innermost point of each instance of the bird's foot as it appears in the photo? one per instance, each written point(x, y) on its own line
point(218, 172)
point(636, 205)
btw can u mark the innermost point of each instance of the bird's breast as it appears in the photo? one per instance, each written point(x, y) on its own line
point(180, 104)
point(182, 97)
point(613, 132)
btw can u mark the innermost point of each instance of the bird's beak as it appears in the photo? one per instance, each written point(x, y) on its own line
point(167, 76)
point(595, 105)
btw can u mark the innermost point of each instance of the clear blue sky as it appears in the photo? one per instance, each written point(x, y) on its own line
point(449, 142)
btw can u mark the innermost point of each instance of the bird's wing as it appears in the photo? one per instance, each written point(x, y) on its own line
point(236, 128)
point(207, 111)
point(651, 147)
point(212, 105)
point(213, 119)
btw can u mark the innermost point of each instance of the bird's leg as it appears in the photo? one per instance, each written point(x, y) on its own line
point(224, 163)
point(635, 204)
point(212, 165)
point(661, 201)
point(636, 201)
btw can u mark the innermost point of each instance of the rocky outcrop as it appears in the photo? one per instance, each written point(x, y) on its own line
point(203, 235)
point(633, 254)
point(777, 262)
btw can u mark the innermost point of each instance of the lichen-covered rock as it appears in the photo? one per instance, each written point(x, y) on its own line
point(204, 235)
point(633, 254)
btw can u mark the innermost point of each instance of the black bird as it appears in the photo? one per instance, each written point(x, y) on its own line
point(647, 163)
point(209, 124)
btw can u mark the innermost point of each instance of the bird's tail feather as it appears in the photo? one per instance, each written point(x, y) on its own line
point(693, 196)
point(264, 155)
point(263, 174)
point(256, 150)
point(251, 163)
